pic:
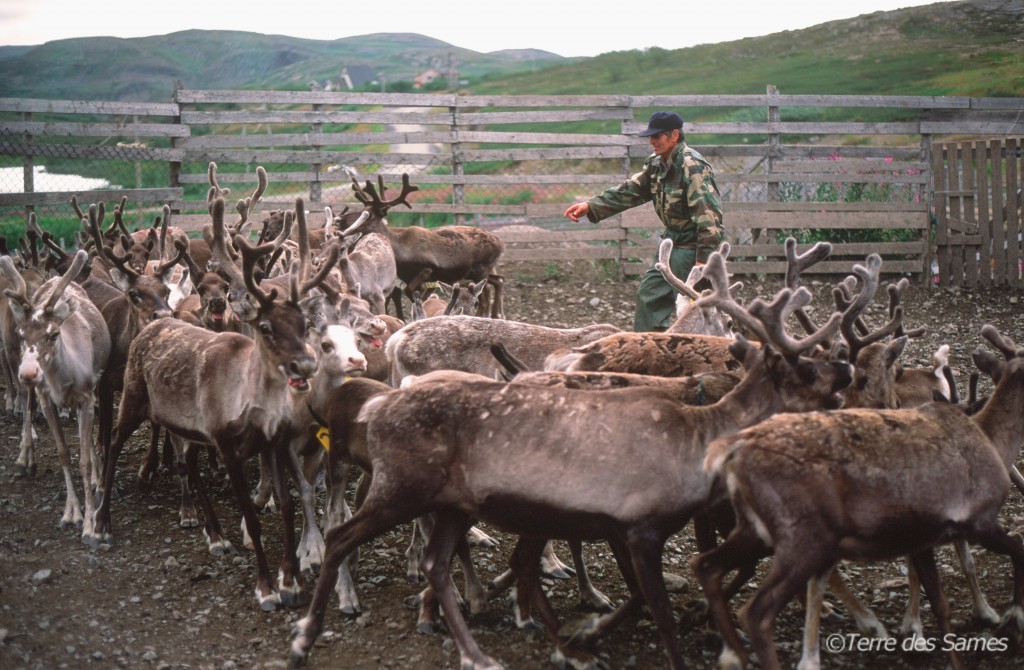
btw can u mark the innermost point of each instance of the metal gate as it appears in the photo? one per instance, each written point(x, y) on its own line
point(978, 212)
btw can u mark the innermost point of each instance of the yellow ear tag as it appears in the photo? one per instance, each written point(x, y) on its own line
point(325, 439)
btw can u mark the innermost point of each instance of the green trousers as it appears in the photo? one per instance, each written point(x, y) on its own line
point(655, 299)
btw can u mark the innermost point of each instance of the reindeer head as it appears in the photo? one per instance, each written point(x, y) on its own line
point(279, 325)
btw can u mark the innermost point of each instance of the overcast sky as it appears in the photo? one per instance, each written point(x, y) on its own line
point(564, 27)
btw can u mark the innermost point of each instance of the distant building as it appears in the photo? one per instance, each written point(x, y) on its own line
point(426, 77)
point(356, 75)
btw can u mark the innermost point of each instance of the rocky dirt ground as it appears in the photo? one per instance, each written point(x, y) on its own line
point(158, 600)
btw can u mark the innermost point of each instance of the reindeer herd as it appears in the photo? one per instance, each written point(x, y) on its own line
point(784, 439)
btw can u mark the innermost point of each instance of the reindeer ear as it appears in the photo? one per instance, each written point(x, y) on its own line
point(65, 308)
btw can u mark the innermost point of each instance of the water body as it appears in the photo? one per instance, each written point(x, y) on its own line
point(12, 180)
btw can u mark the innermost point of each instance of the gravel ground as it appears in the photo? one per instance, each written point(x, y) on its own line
point(158, 600)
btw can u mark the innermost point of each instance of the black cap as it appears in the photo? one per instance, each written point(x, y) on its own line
point(661, 122)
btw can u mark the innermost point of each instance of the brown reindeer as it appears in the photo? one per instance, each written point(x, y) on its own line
point(865, 484)
point(447, 254)
point(497, 452)
point(65, 347)
point(228, 390)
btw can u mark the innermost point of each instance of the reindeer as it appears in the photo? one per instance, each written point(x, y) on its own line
point(227, 390)
point(464, 343)
point(65, 347)
point(494, 452)
point(865, 484)
point(448, 254)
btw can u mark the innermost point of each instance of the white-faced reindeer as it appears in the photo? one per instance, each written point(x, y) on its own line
point(65, 347)
point(868, 485)
point(448, 254)
point(228, 390)
point(498, 452)
point(19, 399)
point(692, 316)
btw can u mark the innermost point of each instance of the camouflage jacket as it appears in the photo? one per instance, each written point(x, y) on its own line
point(684, 194)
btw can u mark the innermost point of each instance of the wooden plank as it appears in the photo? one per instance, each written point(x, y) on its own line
point(978, 127)
point(813, 177)
point(827, 221)
point(852, 165)
point(545, 116)
point(999, 231)
point(825, 207)
point(101, 152)
point(956, 209)
point(982, 157)
point(263, 116)
point(61, 129)
point(64, 197)
point(188, 96)
point(252, 140)
point(971, 276)
point(1012, 210)
point(45, 106)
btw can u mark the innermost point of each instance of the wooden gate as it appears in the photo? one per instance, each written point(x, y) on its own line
point(978, 212)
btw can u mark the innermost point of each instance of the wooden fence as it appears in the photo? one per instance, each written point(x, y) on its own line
point(978, 212)
point(812, 166)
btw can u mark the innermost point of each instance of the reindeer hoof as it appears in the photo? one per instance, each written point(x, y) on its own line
point(268, 603)
point(350, 611)
point(430, 627)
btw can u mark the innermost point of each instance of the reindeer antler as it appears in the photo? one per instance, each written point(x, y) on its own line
point(250, 259)
point(795, 266)
point(81, 258)
point(766, 320)
point(1004, 344)
point(853, 306)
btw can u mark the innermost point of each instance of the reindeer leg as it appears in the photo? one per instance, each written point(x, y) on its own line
point(369, 521)
point(187, 517)
point(865, 619)
point(267, 597)
point(338, 512)
point(282, 463)
point(87, 465)
point(924, 562)
point(216, 543)
point(982, 610)
point(710, 567)
point(912, 625)
point(72, 506)
point(552, 565)
point(525, 562)
point(448, 528)
point(645, 549)
point(811, 657)
point(26, 464)
point(147, 471)
point(996, 539)
point(132, 412)
point(790, 572)
point(589, 595)
point(311, 545)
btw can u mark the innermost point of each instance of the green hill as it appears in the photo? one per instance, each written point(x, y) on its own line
point(969, 48)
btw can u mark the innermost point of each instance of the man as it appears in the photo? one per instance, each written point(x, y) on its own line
point(681, 184)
